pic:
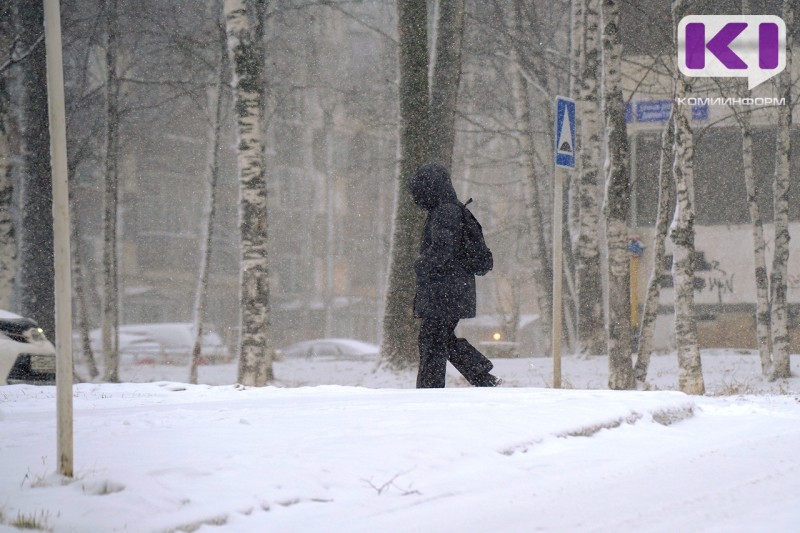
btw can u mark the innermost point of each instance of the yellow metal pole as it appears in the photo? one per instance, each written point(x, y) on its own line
point(635, 249)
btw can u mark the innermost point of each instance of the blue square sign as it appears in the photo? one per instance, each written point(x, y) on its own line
point(565, 132)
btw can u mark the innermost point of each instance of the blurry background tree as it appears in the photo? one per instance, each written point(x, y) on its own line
point(8, 244)
point(110, 337)
point(33, 226)
point(217, 97)
point(780, 259)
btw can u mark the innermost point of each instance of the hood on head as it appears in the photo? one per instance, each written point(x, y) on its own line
point(431, 186)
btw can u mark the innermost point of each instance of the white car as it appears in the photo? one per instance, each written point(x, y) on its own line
point(169, 342)
point(26, 356)
point(331, 349)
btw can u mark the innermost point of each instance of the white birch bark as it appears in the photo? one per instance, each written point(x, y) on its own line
point(247, 61)
point(780, 259)
point(617, 203)
point(400, 329)
point(650, 311)
point(690, 378)
point(591, 331)
point(763, 339)
point(207, 230)
point(110, 318)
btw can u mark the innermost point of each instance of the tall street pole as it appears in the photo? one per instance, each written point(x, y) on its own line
point(61, 235)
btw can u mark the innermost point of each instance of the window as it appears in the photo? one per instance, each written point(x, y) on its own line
point(720, 191)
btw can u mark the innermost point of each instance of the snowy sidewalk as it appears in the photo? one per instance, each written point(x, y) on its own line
point(168, 456)
point(174, 457)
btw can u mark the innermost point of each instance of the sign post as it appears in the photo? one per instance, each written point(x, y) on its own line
point(564, 135)
point(61, 235)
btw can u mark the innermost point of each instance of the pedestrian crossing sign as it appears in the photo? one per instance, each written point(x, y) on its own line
point(565, 132)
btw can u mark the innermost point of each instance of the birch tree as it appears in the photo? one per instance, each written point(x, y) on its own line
point(31, 171)
point(110, 319)
point(761, 277)
point(650, 311)
point(690, 377)
point(399, 345)
point(591, 331)
point(759, 246)
point(247, 61)
point(617, 203)
point(207, 232)
point(780, 187)
point(541, 263)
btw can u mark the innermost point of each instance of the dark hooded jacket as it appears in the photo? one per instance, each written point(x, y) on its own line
point(444, 288)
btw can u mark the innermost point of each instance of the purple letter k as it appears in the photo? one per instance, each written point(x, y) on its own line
point(719, 45)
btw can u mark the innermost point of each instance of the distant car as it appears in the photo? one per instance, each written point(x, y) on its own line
point(331, 349)
point(168, 342)
point(26, 356)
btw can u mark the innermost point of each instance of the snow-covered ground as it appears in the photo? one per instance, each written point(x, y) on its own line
point(357, 450)
point(726, 372)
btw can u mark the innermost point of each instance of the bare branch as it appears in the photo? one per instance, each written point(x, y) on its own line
point(14, 59)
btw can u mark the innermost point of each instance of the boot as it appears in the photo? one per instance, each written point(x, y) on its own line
point(487, 380)
point(472, 364)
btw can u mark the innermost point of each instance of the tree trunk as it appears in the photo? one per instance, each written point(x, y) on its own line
point(207, 231)
point(761, 277)
point(759, 245)
point(80, 298)
point(690, 379)
point(576, 64)
point(399, 348)
point(247, 60)
point(110, 328)
point(650, 312)
point(541, 263)
point(780, 260)
point(446, 78)
point(35, 295)
point(591, 330)
point(8, 241)
point(617, 203)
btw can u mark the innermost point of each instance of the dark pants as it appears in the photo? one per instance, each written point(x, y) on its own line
point(437, 344)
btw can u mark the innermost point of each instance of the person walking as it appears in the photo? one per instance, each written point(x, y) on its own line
point(445, 286)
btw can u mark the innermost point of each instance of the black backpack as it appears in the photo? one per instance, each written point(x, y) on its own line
point(473, 255)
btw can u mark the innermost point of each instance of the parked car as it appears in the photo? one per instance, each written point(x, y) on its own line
point(169, 342)
point(330, 349)
point(26, 356)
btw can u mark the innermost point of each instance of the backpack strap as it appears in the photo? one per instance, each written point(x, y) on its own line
point(463, 225)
